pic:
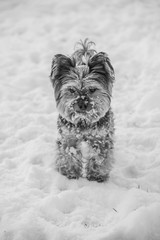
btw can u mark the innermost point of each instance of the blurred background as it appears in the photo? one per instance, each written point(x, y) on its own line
point(32, 31)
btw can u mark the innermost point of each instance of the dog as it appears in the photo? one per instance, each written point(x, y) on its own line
point(82, 86)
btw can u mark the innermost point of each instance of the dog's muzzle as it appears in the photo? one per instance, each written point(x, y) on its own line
point(82, 105)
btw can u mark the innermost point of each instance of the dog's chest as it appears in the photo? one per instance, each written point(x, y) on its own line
point(86, 149)
point(87, 152)
point(86, 144)
point(78, 144)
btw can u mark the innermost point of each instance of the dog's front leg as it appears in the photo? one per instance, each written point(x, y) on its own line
point(68, 161)
point(99, 165)
point(97, 170)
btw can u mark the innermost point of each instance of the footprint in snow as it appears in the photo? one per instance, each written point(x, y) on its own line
point(90, 223)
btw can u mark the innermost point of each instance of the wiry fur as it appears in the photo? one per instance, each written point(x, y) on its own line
point(83, 87)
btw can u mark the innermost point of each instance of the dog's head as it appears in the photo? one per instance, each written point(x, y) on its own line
point(82, 84)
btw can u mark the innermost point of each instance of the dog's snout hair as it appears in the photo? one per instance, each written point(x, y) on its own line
point(83, 103)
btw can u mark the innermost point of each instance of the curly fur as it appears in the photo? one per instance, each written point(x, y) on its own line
point(83, 88)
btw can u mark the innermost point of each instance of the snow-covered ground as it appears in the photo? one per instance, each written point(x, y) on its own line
point(36, 202)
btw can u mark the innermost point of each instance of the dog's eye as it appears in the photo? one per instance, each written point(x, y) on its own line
point(71, 90)
point(92, 90)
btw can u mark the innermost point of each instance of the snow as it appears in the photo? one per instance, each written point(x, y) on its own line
point(36, 202)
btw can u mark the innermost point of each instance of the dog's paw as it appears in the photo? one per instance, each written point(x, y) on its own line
point(98, 178)
point(70, 173)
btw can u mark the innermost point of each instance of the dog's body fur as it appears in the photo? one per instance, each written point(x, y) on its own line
point(83, 85)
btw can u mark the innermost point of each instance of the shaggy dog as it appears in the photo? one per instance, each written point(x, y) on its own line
point(83, 87)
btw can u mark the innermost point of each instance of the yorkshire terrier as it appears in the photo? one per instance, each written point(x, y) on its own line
point(83, 87)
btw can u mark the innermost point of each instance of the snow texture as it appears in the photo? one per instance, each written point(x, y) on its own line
point(36, 202)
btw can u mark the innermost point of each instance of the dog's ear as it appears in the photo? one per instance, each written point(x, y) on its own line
point(61, 65)
point(100, 63)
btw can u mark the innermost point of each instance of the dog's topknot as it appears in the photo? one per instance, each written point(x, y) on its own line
point(83, 54)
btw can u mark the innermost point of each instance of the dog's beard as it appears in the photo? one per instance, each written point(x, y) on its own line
point(98, 105)
point(93, 115)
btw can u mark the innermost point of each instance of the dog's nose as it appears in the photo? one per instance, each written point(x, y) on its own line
point(82, 103)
